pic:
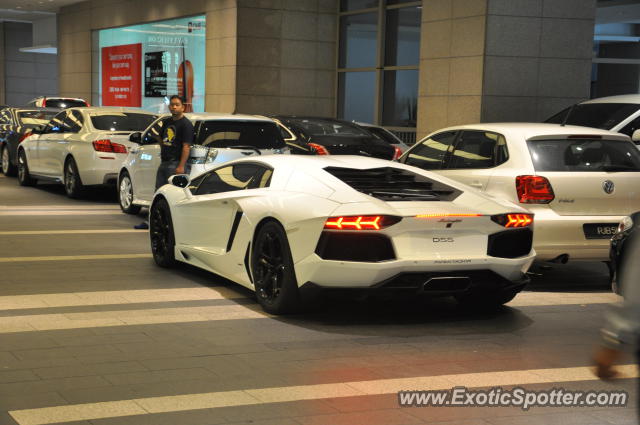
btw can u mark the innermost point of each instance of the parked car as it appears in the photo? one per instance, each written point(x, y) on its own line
point(580, 182)
point(218, 138)
point(328, 136)
point(626, 234)
point(282, 225)
point(385, 135)
point(16, 125)
point(616, 113)
point(57, 102)
point(80, 147)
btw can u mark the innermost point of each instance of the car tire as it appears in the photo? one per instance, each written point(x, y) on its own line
point(274, 277)
point(8, 169)
point(72, 182)
point(125, 194)
point(486, 301)
point(24, 178)
point(161, 234)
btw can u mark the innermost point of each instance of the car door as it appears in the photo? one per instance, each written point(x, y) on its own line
point(72, 124)
point(430, 152)
point(206, 219)
point(48, 146)
point(146, 163)
point(475, 155)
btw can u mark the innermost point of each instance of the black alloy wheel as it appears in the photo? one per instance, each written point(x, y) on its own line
point(24, 178)
point(8, 169)
point(125, 194)
point(161, 234)
point(272, 268)
point(72, 183)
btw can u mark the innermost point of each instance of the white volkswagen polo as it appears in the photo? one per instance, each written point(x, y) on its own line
point(80, 147)
point(580, 182)
point(218, 138)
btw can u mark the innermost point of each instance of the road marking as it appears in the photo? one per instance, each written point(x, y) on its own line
point(57, 207)
point(148, 316)
point(531, 299)
point(135, 296)
point(73, 258)
point(212, 400)
point(60, 212)
point(68, 232)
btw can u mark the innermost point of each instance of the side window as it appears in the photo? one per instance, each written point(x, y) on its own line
point(631, 127)
point(153, 134)
point(287, 135)
point(230, 178)
point(478, 149)
point(430, 153)
point(56, 125)
point(74, 121)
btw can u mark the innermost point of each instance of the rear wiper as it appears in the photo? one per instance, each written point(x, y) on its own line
point(618, 168)
point(566, 118)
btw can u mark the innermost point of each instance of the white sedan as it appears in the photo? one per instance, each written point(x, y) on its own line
point(218, 138)
point(282, 224)
point(580, 182)
point(80, 147)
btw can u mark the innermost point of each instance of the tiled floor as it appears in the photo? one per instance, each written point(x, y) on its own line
point(113, 339)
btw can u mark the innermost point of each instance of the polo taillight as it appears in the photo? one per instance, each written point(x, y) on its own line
point(106, 145)
point(24, 136)
point(361, 222)
point(318, 149)
point(534, 190)
point(513, 220)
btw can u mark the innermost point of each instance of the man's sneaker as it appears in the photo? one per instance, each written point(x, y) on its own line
point(142, 226)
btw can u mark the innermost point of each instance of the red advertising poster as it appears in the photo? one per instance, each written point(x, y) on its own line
point(121, 75)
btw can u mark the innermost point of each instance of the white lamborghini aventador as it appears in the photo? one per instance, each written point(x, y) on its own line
point(283, 224)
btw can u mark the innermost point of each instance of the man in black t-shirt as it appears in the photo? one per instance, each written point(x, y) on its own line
point(175, 144)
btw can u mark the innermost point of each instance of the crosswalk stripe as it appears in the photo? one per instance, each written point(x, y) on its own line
point(59, 212)
point(68, 232)
point(73, 258)
point(178, 403)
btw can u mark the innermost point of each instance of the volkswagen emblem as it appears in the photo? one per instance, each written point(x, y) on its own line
point(608, 186)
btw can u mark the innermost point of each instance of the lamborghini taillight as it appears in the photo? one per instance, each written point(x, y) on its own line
point(513, 220)
point(361, 222)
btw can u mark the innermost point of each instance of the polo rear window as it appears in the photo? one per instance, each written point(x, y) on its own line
point(584, 155)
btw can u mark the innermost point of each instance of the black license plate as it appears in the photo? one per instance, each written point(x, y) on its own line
point(599, 230)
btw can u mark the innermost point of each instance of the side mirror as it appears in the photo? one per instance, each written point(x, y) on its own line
point(636, 136)
point(135, 137)
point(179, 180)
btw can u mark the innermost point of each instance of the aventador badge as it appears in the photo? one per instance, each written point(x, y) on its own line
point(608, 186)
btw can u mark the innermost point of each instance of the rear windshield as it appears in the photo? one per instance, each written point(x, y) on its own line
point(122, 121)
point(319, 127)
point(384, 135)
point(64, 103)
point(225, 134)
point(597, 115)
point(584, 155)
point(31, 119)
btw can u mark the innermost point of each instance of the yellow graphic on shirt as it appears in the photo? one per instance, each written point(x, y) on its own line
point(170, 136)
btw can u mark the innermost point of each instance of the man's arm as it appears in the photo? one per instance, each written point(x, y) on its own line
point(184, 155)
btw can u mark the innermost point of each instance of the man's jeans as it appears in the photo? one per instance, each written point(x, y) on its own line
point(166, 170)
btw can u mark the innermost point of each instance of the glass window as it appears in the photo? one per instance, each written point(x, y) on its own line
point(402, 38)
point(477, 149)
point(230, 178)
point(584, 155)
point(390, 2)
point(73, 121)
point(346, 5)
point(32, 119)
point(598, 115)
point(357, 96)
point(223, 134)
point(125, 121)
point(400, 98)
point(57, 124)
point(358, 40)
point(153, 135)
point(328, 127)
point(64, 103)
point(631, 127)
point(430, 152)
